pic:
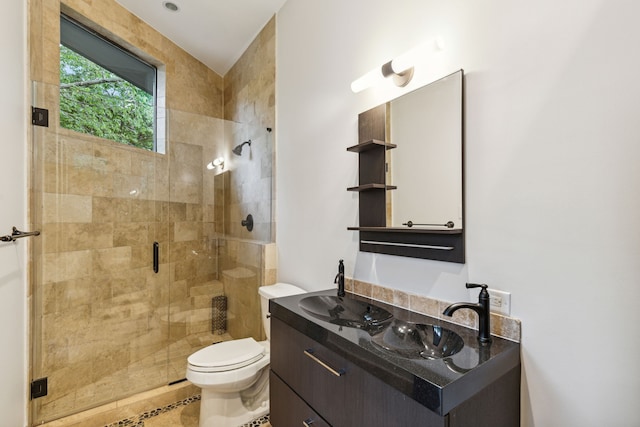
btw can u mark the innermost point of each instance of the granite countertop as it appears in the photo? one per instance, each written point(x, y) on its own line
point(440, 384)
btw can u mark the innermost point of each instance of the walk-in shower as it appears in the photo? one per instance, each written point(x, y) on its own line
point(104, 324)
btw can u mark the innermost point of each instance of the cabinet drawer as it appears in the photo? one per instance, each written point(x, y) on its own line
point(344, 394)
point(288, 410)
point(318, 375)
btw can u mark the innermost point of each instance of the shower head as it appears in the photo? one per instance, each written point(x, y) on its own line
point(238, 150)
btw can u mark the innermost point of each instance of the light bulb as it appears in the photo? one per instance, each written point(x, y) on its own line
point(217, 162)
point(366, 81)
point(416, 55)
point(408, 59)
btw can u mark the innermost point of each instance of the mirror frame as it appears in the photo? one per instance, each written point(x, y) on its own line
point(436, 244)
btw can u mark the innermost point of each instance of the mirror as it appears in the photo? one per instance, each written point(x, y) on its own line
point(410, 170)
point(426, 165)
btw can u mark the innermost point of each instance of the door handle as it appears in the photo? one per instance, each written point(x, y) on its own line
point(156, 257)
point(17, 234)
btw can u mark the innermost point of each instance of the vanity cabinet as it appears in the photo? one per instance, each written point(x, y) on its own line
point(311, 382)
point(289, 408)
point(325, 374)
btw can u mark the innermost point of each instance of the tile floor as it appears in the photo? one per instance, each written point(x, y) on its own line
point(180, 414)
point(185, 416)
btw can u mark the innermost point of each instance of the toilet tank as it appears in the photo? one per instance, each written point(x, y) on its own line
point(274, 291)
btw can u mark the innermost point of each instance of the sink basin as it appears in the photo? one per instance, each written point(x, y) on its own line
point(346, 312)
point(417, 340)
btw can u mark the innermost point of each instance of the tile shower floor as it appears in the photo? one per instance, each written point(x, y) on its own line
point(184, 413)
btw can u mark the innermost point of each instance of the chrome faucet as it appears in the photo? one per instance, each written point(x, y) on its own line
point(340, 278)
point(482, 308)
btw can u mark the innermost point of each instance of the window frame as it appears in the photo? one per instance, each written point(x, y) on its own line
point(127, 57)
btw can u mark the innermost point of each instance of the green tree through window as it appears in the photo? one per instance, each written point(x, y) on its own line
point(95, 101)
point(105, 91)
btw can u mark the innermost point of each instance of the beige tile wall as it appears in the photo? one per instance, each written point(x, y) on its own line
point(240, 268)
point(249, 94)
point(247, 185)
point(244, 267)
point(191, 86)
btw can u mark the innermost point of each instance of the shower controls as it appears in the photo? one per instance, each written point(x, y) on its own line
point(248, 222)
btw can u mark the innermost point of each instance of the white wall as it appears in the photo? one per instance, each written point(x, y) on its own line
point(552, 175)
point(13, 140)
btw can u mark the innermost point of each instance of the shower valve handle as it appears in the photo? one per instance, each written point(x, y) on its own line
point(248, 222)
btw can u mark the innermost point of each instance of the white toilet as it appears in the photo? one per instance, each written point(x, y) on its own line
point(234, 375)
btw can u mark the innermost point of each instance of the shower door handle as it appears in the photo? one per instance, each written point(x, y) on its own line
point(156, 257)
point(17, 234)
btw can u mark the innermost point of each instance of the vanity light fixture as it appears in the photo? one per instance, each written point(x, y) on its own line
point(399, 69)
point(368, 80)
point(377, 75)
point(215, 163)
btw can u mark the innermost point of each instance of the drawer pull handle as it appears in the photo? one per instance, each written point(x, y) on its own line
point(309, 352)
point(307, 422)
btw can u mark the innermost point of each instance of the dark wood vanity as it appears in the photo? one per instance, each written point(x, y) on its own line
point(348, 396)
point(324, 374)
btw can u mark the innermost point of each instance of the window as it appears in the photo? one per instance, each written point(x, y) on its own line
point(105, 91)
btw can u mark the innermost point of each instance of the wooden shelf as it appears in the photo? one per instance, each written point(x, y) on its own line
point(367, 187)
point(408, 230)
point(369, 145)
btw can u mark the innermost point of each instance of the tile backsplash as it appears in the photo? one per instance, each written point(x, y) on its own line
point(502, 326)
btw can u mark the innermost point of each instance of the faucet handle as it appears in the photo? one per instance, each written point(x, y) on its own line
point(483, 295)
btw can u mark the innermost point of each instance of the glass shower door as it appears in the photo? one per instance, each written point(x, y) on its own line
point(99, 311)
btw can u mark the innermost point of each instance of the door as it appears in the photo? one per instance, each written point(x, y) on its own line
point(13, 149)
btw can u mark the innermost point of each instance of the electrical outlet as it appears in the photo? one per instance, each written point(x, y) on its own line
point(500, 301)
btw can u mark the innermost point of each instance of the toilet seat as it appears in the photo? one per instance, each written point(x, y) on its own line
point(226, 356)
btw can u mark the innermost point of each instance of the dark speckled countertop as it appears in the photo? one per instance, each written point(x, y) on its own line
point(440, 384)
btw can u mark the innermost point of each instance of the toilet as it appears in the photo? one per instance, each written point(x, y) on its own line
point(234, 375)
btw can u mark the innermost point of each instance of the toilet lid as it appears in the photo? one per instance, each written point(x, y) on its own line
point(226, 356)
